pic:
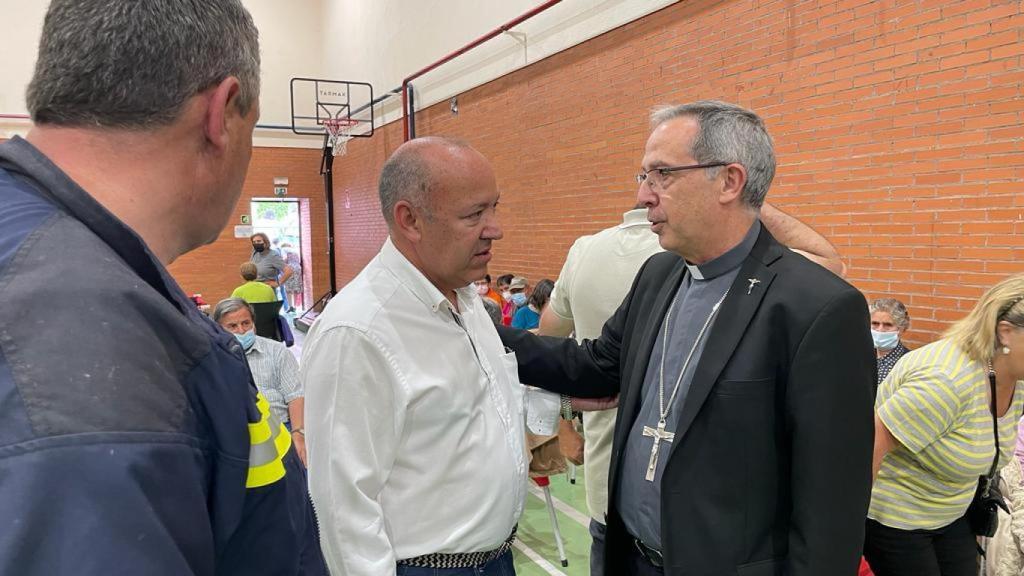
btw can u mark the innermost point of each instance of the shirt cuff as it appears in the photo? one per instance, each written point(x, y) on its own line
point(542, 410)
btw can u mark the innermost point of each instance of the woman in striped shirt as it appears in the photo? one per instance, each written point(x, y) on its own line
point(934, 438)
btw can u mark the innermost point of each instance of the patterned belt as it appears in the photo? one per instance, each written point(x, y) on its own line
point(462, 559)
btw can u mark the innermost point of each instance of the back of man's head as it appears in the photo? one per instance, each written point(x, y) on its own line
point(134, 65)
point(729, 133)
point(249, 271)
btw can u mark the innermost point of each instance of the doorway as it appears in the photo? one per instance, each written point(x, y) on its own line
point(280, 219)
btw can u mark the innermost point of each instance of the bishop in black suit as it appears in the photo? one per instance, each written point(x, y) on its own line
point(744, 373)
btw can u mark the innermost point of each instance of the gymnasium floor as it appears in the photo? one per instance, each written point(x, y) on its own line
point(535, 551)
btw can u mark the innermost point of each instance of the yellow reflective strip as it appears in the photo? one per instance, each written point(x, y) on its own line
point(262, 405)
point(259, 432)
point(283, 441)
point(272, 471)
point(265, 475)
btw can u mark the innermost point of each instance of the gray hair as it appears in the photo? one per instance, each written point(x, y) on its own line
point(407, 175)
point(493, 310)
point(728, 133)
point(895, 308)
point(117, 64)
point(229, 305)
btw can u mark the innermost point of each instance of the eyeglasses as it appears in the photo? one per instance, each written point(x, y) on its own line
point(662, 173)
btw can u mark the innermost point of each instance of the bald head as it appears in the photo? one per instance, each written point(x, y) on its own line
point(419, 168)
point(440, 199)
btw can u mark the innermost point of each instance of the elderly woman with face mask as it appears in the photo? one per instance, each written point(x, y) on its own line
point(945, 416)
point(889, 320)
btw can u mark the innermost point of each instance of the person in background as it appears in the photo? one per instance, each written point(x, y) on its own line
point(507, 307)
point(274, 368)
point(293, 285)
point(133, 440)
point(1004, 552)
point(503, 281)
point(270, 266)
point(484, 289)
point(252, 291)
point(934, 438)
point(519, 288)
point(493, 310)
point(276, 374)
point(528, 317)
point(889, 320)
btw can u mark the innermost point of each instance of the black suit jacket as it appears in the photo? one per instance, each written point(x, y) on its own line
point(770, 470)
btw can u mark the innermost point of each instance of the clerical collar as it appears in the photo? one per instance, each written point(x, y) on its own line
point(728, 261)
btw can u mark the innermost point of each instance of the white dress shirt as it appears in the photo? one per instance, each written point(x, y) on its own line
point(414, 419)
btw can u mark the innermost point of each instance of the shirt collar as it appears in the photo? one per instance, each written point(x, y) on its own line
point(636, 217)
point(728, 261)
point(257, 346)
point(417, 282)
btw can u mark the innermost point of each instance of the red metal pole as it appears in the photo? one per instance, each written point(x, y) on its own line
point(503, 28)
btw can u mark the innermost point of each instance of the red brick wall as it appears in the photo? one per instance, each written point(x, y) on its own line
point(213, 270)
point(898, 126)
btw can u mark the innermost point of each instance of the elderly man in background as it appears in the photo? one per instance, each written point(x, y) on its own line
point(273, 367)
point(132, 437)
point(276, 374)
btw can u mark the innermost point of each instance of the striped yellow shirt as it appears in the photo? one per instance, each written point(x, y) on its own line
point(936, 403)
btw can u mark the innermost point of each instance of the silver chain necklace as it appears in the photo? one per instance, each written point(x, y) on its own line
point(659, 433)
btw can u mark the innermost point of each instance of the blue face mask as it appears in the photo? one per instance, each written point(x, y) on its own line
point(247, 339)
point(519, 299)
point(885, 340)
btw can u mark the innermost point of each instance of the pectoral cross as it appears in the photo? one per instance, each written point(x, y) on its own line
point(752, 281)
point(658, 434)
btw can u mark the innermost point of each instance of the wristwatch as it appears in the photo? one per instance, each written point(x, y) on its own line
point(299, 431)
point(566, 411)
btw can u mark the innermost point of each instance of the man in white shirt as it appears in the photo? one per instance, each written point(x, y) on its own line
point(415, 411)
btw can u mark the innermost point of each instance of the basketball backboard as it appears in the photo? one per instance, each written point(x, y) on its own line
point(318, 103)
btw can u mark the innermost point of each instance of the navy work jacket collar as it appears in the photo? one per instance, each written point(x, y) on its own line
point(26, 162)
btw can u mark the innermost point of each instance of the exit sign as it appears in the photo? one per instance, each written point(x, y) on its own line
point(280, 190)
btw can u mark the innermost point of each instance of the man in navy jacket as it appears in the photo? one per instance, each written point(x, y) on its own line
point(132, 440)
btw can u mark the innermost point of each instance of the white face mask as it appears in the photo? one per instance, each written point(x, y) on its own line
point(482, 289)
point(506, 296)
point(885, 340)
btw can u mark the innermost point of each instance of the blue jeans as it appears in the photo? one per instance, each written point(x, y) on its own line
point(500, 566)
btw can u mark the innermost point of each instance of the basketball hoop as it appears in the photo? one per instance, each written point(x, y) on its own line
point(339, 132)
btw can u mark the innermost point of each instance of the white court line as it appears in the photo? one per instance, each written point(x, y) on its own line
point(537, 559)
point(561, 506)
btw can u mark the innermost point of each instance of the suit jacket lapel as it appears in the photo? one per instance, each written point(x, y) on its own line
point(732, 321)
